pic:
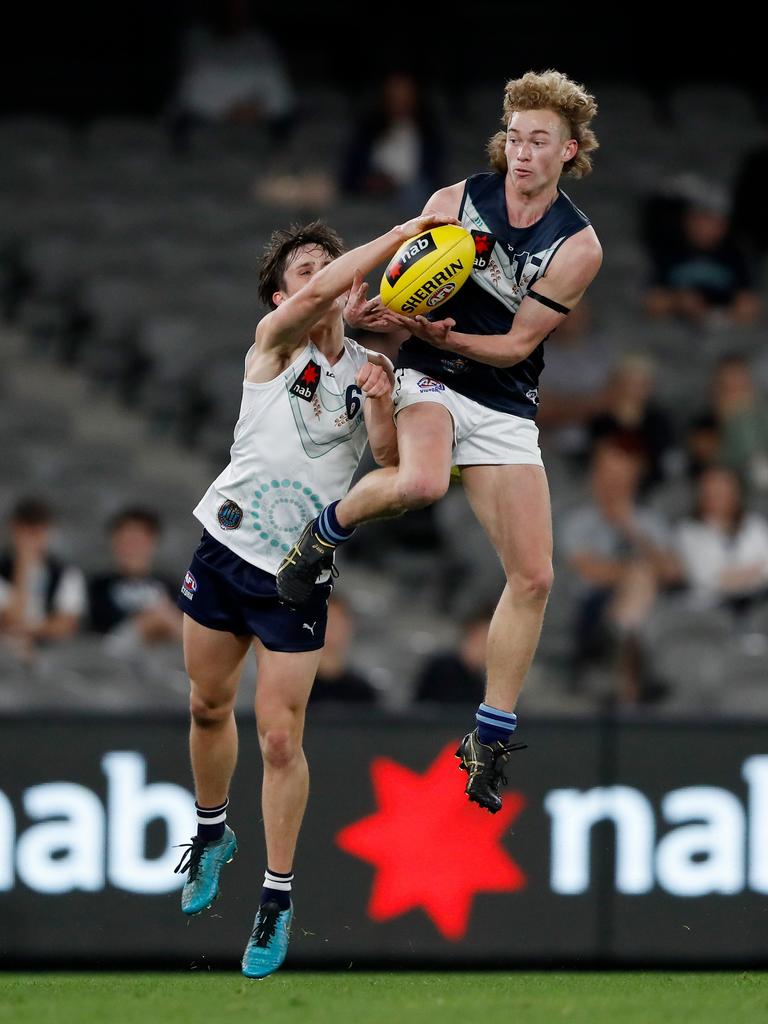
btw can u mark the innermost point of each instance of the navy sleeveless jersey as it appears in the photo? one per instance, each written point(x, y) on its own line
point(508, 261)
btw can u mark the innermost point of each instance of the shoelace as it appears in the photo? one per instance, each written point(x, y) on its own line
point(503, 753)
point(190, 859)
point(266, 923)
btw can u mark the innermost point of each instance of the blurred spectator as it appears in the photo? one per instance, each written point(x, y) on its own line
point(396, 147)
point(702, 444)
point(631, 413)
point(335, 680)
point(621, 555)
point(742, 416)
point(231, 71)
point(703, 276)
point(132, 604)
point(574, 390)
point(41, 598)
point(458, 677)
point(723, 547)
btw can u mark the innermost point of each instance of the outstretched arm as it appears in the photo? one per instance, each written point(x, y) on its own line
point(369, 314)
point(573, 268)
point(295, 316)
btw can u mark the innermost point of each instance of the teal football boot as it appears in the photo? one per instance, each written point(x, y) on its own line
point(203, 861)
point(268, 943)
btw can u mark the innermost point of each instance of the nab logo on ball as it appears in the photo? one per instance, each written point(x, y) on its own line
point(427, 270)
point(417, 249)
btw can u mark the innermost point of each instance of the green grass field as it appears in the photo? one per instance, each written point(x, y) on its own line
point(386, 998)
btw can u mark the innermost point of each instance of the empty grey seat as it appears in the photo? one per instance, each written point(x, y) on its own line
point(110, 135)
point(700, 107)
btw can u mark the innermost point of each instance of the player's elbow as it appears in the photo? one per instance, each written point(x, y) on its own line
point(385, 454)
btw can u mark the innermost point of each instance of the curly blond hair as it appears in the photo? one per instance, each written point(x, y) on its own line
point(550, 90)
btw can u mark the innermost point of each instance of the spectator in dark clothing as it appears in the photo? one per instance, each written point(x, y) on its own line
point(632, 415)
point(620, 555)
point(456, 677)
point(336, 680)
point(396, 148)
point(132, 603)
point(41, 598)
point(705, 276)
point(702, 444)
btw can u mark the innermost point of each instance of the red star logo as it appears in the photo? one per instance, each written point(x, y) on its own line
point(431, 847)
point(310, 374)
point(395, 270)
point(482, 244)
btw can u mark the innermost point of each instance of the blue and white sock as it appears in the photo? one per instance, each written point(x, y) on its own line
point(277, 888)
point(493, 725)
point(210, 821)
point(328, 527)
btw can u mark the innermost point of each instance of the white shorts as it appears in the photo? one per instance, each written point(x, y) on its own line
point(481, 436)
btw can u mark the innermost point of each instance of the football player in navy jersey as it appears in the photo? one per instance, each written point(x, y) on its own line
point(467, 387)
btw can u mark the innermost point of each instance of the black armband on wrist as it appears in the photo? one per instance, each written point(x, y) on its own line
point(545, 301)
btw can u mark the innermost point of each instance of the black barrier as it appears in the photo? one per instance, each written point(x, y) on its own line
point(618, 843)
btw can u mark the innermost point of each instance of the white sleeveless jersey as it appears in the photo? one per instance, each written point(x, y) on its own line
point(298, 441)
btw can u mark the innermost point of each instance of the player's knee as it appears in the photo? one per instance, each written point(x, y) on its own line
point(420, 490)
point(534, 584)
point(279, 747)
point(208, 712)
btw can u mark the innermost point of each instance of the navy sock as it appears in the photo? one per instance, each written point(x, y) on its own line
point(493, 725)
point(328, 527)
point(210, 821)
point(277, 888)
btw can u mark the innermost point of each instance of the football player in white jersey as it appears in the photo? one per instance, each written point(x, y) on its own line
point(467, 388)
point(310, 399)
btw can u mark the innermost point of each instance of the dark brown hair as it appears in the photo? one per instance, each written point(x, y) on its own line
point(281, 246)
point(145, 517)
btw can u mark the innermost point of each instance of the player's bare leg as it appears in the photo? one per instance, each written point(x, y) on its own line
point(214, 661)
point(283, 686)
point(512, 505)
point(425, 442)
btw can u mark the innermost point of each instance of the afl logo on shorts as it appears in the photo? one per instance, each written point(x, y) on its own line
point(189, 586)
point(230, 515)
point(440, 294)
point(428, 384)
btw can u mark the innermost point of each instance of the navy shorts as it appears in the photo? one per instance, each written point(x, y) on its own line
point(222, 591)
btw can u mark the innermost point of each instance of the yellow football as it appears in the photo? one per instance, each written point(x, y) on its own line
point(427, 270)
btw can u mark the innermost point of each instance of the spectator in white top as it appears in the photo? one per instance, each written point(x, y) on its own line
point(396, 147)
point(232, 72)
point(723, 548)
point(41, 598)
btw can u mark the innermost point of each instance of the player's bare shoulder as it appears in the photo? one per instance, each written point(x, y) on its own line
point(265, 360)
point(446, 200)
point(577, 261)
